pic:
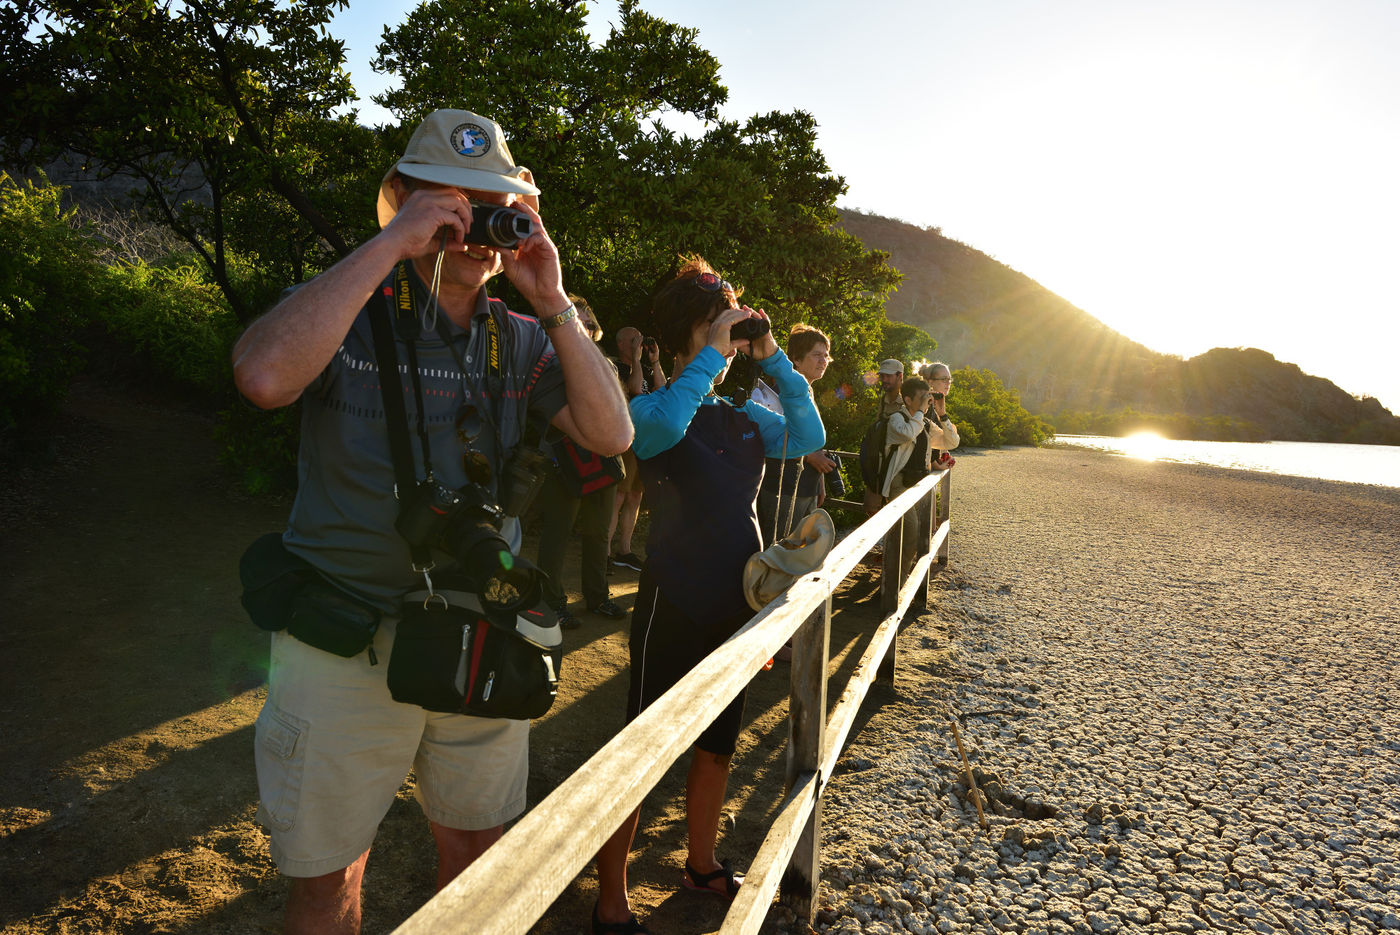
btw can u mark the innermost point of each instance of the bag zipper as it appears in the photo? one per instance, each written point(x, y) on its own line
point(460, 682)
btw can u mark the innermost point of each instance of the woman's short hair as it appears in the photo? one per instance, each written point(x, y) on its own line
point(912, 387)
point(802, 338)
point(680, 304)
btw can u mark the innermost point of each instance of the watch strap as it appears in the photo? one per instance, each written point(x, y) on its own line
point(563, 318)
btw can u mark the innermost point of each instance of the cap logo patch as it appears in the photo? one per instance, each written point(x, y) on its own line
point(471, 140)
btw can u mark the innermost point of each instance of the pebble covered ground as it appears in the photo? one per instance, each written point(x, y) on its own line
point(1177, 687)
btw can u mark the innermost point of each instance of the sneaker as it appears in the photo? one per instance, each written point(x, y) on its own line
point(628, 560)
point(567, 621)
point(608, 609)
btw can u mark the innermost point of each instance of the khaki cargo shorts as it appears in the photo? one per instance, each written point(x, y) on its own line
point(333, 748)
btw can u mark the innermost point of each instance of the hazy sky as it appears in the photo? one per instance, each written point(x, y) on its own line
point(1194, 174)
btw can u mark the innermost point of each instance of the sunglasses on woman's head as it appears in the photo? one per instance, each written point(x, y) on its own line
point(710, 282)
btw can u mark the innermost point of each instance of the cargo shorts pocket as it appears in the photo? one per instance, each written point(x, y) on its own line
point(281, 761)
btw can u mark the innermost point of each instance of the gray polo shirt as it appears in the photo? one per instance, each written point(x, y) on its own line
point(342, 521)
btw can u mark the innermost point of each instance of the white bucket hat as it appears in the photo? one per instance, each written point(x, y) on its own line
point(460, 148)
point(772, 571)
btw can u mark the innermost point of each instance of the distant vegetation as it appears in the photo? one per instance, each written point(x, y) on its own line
point(1081, 376)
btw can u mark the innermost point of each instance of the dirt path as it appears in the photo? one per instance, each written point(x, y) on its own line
point(130, 680)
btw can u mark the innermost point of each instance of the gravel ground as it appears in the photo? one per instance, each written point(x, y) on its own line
point(1177, 686)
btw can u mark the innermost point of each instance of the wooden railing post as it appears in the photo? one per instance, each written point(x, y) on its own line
point(892, 571)
point(931, 513)
point(811, 646)
point(945, 507)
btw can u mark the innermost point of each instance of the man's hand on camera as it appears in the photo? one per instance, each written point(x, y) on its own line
point(533, 268)
point(421, 217)
point(820, 462)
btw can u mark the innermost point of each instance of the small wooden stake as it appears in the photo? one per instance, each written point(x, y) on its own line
point(971, 783)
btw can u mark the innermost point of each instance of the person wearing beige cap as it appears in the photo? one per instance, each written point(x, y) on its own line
point(332, 745)
point(891, 376)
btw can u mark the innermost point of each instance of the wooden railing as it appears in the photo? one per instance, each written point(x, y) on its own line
point(512, 885)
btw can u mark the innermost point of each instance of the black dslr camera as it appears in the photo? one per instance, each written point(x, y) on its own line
point(749, 328)
point(499, 226)
point(466, 524)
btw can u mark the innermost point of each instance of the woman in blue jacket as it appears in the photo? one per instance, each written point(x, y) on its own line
point(701, 463)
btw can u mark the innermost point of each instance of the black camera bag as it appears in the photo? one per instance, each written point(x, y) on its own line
point(271, 578)
point(282, 592)
point(449, 656)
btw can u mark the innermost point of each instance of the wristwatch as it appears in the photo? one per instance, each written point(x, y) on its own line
point(563, 318)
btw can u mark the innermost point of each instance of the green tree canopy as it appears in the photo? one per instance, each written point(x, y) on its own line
point(219, 112)
point(624, 195)
point(223, 115)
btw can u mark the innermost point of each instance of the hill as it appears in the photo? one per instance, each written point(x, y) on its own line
point(1060, 358)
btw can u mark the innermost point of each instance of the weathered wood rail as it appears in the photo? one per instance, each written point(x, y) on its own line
point(512, 885)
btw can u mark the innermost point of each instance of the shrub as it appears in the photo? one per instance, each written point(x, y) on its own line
point(67, 301)
point(49, 282)
point(174, 324)
point(988, 415)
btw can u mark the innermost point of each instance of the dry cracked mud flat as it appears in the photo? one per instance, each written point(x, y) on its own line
point(1178, 688)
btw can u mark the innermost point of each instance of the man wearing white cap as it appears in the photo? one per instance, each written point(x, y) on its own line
point(332, 746)
point(891, 376)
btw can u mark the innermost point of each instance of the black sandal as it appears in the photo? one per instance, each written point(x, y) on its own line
point(630, 927)
point(694, 880)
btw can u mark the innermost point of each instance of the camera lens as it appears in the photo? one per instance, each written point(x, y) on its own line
point(498, 226)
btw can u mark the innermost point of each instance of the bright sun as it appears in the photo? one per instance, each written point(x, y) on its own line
point(1145, 446)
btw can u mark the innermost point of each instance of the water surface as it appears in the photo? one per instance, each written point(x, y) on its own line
point(1356, 464)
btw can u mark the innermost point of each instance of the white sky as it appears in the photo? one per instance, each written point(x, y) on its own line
point(1195, 174)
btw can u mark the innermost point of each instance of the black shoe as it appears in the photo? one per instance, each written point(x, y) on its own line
point(567, 621)
point(628, 560)
point(608, 609)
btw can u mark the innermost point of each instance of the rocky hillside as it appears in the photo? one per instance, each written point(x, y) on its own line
point(1058, 357)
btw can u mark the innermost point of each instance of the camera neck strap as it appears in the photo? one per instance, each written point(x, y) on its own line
point(381, 318)
point(405, 304)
